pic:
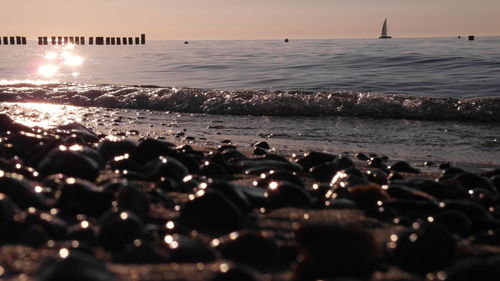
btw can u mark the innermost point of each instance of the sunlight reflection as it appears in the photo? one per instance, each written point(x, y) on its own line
point(27, 81)
point(46, 115)
point(51, 55)
point(48, 70)
point(72, 60)
point(60, 61)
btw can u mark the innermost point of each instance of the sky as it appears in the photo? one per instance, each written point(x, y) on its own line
point(249, 19)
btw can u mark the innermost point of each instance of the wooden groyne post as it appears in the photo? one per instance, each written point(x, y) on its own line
point(77, 40)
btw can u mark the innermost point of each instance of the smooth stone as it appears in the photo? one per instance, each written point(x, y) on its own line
point(7, 124)
point(151, 149)
point(474, 268)
point(83, 231)
point(341, 203)
point(232, 192)
point(377, 176)
point(367, 197)
point(211, 211)
point(401, 191)
point(439, 190)
point(165, 167)
point(77, 266)
point(77, 196)
point(119, 228)
point(264, 164)
point(8, 209)
point(135, 200)
point(110, 148)
point(81, 131)
point(212, 169)
point(51, 226)
point(248, 247)
point(376, 162)
point(314, 158)
point(471, 181)
point(184, 249)
point(361, 156)
point(69, 163)
point(325, 171)
point(144, 253)
point(285, 194)
point(20, 191)
point(259, 151)
point(279, 175)
point(408, 208)
point(403, 166)
point(455, 221)
point(236, 272)
point(263, 145)
point(429, 248)
point(332, 251)
point(468, 207)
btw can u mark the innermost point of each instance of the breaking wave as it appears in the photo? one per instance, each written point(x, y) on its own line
point(258, 102)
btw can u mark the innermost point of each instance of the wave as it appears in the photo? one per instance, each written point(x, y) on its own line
point(258, 102)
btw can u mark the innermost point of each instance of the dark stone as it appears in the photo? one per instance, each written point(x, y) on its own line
point(78, 196)
point(7, 124)
point(20, 191)
point(263, 145)
point(455, 221)
point(77, 267)
point(166, 167)
point(211, 211)
point(142, 253)
point(335, 251)
point(69, 163)
point(314, 158)
point(135, 200)
point(110, 149)
point(325, 171)
point(279, 175)
point(81, 131)
point(285, 194)
point(232, 192)
point(259, 151)
point(183, 249)
point(474, 268)
point(377, 176)
point(361, 156)
point(212, 169)
point(376, 162)
point(431, 247)
point(151, 149)
point(235, 272)
point(251, 248)
point(119, 228)
point(403, 166)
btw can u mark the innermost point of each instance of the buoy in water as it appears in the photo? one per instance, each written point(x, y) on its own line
point(286, 40)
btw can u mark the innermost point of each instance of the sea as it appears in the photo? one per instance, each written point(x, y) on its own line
point(415, 99)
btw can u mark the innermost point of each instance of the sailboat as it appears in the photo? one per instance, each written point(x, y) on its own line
point(384, 31)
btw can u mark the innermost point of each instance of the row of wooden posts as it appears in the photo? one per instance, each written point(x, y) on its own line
point(76, 40)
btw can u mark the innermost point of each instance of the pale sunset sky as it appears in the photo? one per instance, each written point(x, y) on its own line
point(249, 19)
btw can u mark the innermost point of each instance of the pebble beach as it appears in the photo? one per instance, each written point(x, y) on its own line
point(84, 202)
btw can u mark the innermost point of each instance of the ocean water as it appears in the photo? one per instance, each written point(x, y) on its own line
point(414, 99)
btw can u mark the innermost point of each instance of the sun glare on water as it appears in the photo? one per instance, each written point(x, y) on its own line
point(45, 115)
point(48, 70)
point(60, 62)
